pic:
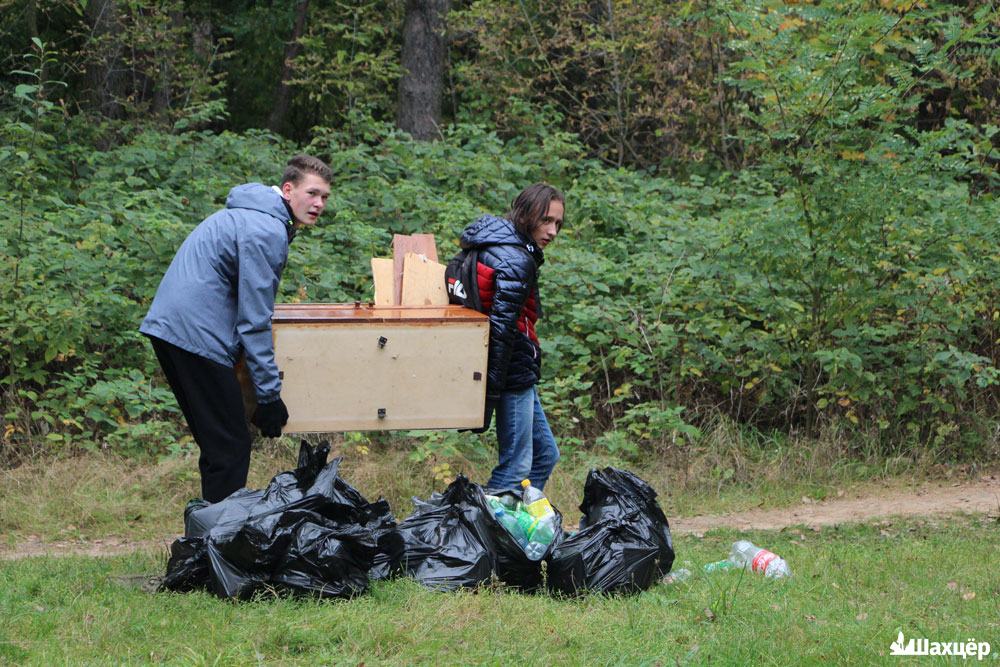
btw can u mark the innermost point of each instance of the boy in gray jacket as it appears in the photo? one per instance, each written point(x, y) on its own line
point(215, 304)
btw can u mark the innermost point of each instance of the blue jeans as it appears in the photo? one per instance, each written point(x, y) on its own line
point(527, 448)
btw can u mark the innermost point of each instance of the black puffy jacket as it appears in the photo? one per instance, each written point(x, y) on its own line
point(508, 286)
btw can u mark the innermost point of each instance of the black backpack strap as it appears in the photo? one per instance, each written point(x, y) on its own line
point(470, 278)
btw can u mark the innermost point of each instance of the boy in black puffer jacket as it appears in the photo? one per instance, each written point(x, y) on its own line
point(510, 251)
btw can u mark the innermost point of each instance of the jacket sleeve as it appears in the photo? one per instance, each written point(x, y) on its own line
point(261, 260)
point(515, 278)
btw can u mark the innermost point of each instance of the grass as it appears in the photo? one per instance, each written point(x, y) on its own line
point(853, 590)
point(855, 587)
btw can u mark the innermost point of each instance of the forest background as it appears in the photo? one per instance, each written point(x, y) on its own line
point(781, 216)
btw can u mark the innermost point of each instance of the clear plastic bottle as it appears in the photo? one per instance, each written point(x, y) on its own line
point(746, 555)
point(510, 522)
point(677, 576)
point(720, 565)
point(535, 502)
point(544, 518)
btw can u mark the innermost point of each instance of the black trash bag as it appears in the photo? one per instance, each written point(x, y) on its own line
point(612, 556)
point(289, 487)
point(228, 581)
point(376, 516)
point(334, 548)
point(510, 563)
point(448, 544)
point(514, 568)
point(618, 494)
point(251, 539)
point(244, 555)
point(187, 569)
point(389, 552)
point(200, 516)
point(328, 560)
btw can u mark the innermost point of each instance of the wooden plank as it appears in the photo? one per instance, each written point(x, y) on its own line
point(422, 244)
point(382, 275)
point(423, 282)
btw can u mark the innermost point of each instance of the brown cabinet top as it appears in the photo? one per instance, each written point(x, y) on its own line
point(318, 313)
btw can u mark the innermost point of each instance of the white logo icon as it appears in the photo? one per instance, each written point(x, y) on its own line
point(458, 289)
point(919, 646)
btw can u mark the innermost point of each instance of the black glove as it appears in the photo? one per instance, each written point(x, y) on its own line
point(270, 417)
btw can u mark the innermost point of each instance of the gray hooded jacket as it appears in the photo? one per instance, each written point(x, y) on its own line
point(217, 297)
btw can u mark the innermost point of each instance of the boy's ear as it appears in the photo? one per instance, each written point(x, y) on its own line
point(286, 189)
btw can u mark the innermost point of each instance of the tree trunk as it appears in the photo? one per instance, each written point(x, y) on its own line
point(106, 70)
point(279, 110)
point(163, 94)
point(423, 68)
point(31, 18)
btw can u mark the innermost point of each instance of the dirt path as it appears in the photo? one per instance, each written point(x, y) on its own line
point(982, 497)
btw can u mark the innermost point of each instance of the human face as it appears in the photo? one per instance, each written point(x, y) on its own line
point(550, 224)
point(307, 199)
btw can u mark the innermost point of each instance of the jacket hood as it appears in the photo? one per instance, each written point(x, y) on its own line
point(257, 197)
point(493, 230)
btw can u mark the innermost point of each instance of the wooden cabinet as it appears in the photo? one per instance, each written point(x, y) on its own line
point(348, 367)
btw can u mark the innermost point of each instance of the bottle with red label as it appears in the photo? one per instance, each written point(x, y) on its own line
point(762, 561)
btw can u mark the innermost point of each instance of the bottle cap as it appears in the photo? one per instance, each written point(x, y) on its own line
point(525, 483)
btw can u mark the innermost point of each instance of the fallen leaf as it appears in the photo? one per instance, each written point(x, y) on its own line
point(862, 616)
point(807, 500)
point(709, 614)
point(810, 618)
point(968, 596)
point(952, 585)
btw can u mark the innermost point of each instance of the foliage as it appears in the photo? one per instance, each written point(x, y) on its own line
point(636, 86)
point(349, 62)
point(846, 275)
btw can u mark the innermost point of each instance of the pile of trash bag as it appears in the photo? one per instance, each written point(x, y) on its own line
point(308, 531)
point(624, 543)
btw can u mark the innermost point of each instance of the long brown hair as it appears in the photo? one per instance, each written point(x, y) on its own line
point(530, 206)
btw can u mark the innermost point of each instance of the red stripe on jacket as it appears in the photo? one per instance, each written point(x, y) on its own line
point(486, 279)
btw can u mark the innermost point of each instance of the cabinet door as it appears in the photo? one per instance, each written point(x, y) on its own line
point(382, 376)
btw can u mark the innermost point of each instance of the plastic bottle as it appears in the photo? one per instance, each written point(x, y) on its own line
point(677, 576)
point(524, 520)
point(509, 502)
point(535, 502)
point(746, 555)
point(544, 517)
point(719, 565)
point(510, 522)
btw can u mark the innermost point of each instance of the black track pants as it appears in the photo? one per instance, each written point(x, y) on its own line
point(209, 396)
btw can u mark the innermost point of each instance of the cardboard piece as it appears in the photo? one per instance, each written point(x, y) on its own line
point(421, 244)
point(382, 274)
point(423, 282)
